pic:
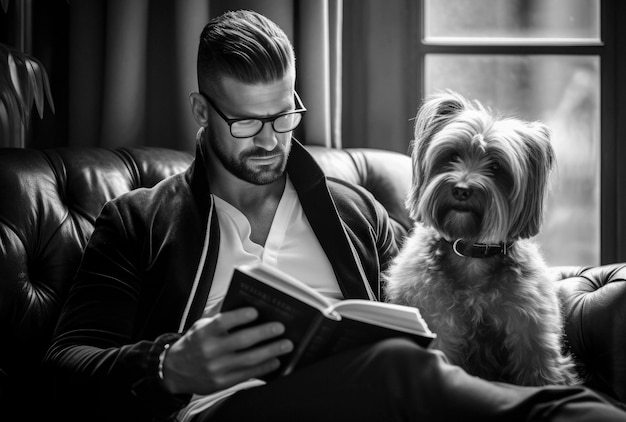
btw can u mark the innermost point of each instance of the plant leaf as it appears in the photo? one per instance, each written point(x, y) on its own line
point(6, 129)
point(34, 73)
point(46, 82)
point(21, 79)
point(12, 98)
point(11, 115)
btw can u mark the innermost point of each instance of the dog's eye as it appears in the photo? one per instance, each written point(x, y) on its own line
point(454, 157)
point(495, 168)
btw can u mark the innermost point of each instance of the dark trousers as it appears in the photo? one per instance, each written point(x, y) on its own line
point(396, 380)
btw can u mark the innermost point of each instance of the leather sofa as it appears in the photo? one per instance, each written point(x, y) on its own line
point(50, 198)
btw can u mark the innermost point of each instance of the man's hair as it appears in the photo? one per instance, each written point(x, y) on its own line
point(243, 45)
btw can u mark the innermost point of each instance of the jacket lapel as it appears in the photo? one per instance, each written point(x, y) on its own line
point(320, 209)
point(203, 281)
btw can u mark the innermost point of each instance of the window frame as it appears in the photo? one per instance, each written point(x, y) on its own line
point(612, 102)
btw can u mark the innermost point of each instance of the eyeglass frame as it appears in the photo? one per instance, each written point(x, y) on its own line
point(300, 109)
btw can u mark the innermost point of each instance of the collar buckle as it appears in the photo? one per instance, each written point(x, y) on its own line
point(479, 250)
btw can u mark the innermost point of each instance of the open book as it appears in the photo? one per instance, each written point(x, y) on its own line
point(318, 326)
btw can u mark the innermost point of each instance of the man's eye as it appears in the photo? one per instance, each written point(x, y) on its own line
point(247, 123)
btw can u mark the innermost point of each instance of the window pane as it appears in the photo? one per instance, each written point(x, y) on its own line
point(512, 19)
point(564, 93)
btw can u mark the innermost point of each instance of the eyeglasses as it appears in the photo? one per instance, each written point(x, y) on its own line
point(249, 127)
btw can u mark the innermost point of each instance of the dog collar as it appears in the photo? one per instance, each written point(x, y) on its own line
point(479, 250)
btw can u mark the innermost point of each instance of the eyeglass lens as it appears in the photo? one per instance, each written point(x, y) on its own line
point(250, 127)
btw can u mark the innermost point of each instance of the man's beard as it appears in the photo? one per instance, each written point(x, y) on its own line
point(239, 165)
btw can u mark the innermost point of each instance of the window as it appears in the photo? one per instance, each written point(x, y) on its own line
point(547, 60)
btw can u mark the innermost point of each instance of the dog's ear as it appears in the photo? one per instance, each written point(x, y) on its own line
point(434, 113)
point(540, 162)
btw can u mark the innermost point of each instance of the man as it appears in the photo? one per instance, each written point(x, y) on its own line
point(141, 335)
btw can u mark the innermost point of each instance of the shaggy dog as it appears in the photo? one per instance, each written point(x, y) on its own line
point(481, 284)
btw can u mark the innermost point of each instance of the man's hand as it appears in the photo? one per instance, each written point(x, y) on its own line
point(207, 358)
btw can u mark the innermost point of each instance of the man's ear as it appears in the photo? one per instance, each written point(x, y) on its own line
point(199, 108)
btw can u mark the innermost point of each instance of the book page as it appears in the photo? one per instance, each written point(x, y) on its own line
point(284, 282)
point(389, 315)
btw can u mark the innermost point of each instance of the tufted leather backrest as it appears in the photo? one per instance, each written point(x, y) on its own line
point(386, 174)
point(49, 200)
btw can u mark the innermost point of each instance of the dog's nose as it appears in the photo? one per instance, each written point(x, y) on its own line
point(461, 193)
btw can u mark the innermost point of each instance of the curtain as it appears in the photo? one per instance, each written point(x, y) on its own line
point(132, 67)
point(380, 85)
point(319, 58)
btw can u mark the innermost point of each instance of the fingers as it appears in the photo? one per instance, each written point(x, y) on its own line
point(244, 338)
point(214, 354)
point(231, 369)
point(221, 323)
point(249, 358)
point(221, 326)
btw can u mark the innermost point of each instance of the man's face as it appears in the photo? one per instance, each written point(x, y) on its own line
point(262, 158)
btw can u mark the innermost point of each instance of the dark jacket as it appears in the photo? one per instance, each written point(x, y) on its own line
point(144, 280)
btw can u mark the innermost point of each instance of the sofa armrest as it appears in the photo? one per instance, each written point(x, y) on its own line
point(594, 306)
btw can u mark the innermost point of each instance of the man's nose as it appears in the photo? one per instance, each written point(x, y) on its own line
point(267, 138)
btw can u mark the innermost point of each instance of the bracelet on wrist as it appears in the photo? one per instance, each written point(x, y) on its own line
point(162, 360)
